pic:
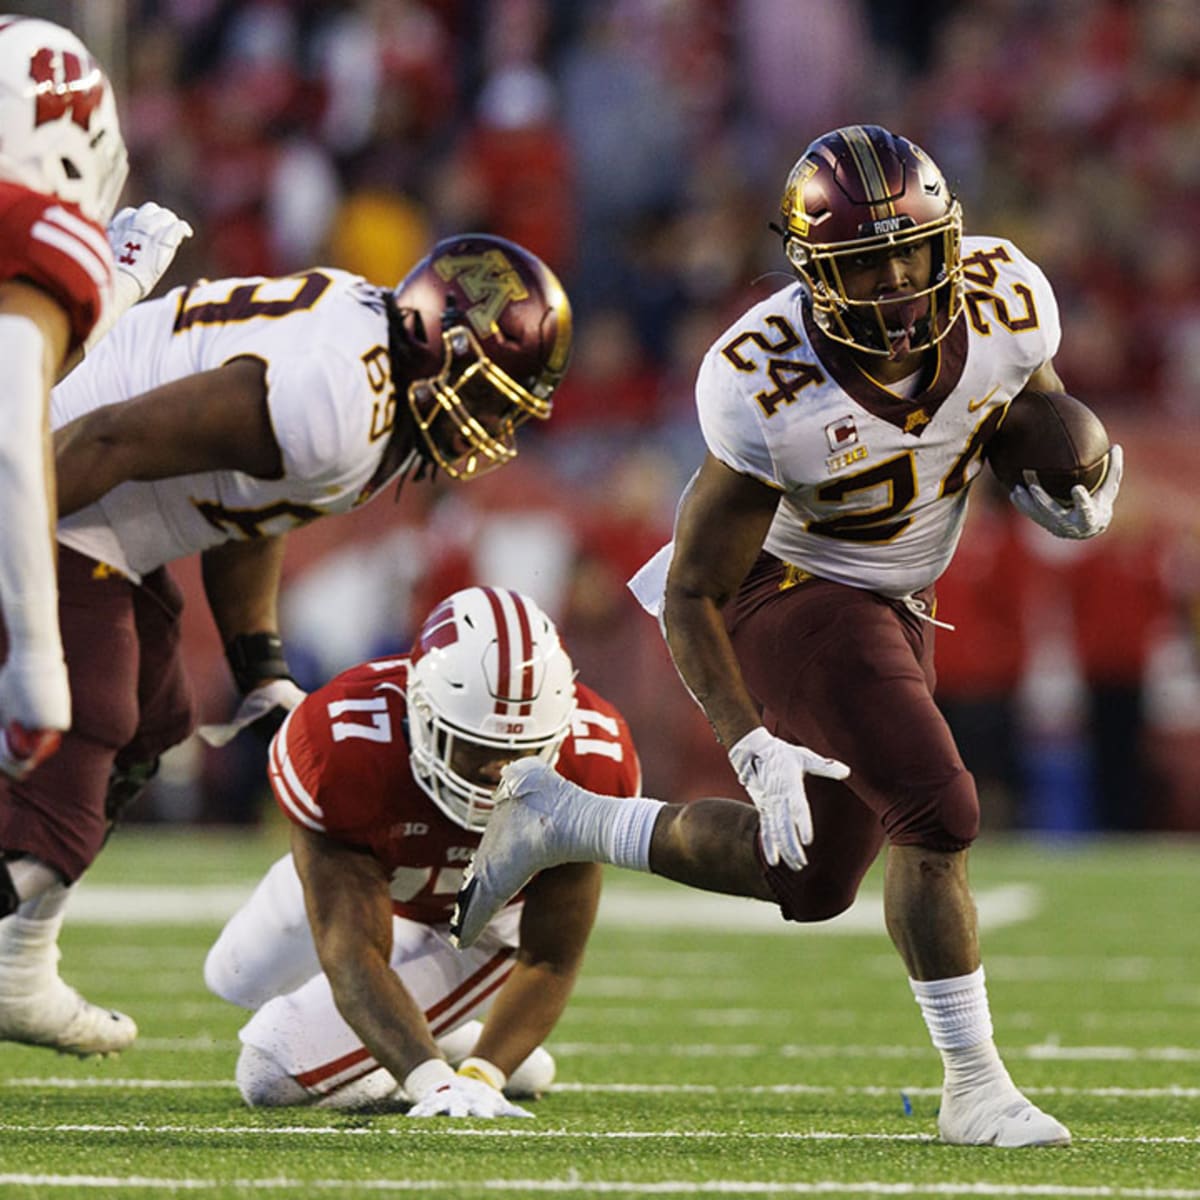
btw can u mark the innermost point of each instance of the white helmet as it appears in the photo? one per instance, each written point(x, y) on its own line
point(487, 669)
point(59, 131)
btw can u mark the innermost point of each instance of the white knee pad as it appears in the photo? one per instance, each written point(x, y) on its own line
point(263, 1083)
point(533, 1076)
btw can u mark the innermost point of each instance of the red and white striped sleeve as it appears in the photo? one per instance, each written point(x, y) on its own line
point(53, 245)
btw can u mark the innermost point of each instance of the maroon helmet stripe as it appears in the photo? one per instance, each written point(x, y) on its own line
point(503, 651)
point(526, 659)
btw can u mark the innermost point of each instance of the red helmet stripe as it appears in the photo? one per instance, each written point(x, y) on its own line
point(503, 651)
point(526, 659)
point(514, 652)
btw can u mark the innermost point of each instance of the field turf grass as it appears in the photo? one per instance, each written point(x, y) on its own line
point(701, 1056)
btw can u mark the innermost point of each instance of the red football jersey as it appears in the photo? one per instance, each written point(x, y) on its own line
point(52, 244)
point(339, 765)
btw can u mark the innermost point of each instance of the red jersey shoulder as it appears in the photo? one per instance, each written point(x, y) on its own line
point(340, 757)
point(599, 753)
point(53, 245)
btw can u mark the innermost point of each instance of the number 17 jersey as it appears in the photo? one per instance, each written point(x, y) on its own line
point(339, 766)
point(873, 485)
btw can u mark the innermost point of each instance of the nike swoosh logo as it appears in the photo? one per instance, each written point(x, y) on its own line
point(975, 405)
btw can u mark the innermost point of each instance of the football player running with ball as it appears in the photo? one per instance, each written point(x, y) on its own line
point(211, 421)
point(844, 418)
point(387, 775)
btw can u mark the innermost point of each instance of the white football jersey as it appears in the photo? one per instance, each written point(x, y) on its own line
point(323, 337)
point(873, 485)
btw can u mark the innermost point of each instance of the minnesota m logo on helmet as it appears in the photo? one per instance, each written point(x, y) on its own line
point(488, 279)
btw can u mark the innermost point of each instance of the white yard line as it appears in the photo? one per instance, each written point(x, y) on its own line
point(522, 1131)
point(1041, 1051)
point(574, 1185)
point(620, 908)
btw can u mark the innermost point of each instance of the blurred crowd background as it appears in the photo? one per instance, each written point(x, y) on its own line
point(640, 147)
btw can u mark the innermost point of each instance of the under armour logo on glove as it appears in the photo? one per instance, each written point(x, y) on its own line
point(144, 241)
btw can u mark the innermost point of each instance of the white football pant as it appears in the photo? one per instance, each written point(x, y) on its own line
point(297, 1048)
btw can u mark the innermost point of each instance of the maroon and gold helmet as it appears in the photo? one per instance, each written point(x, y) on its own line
point(857, 191)
point(487, 336)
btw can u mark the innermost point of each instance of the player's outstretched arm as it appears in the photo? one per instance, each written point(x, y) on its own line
point(35, 701)
point(560, 908)
point(212, 421)
point(241, 582)
point(350, 913)
point(722, 523)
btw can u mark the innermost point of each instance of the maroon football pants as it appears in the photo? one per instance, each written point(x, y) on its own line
point(849, 673)
point(129, 698)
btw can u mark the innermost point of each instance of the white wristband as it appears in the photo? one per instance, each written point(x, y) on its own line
point(480, 1068)
point(422, 1080)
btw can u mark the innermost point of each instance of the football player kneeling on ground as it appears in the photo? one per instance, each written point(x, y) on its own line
point(387, 775)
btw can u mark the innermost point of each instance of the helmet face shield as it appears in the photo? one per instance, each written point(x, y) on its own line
point(860, 192)
point(442, 757)
point(874, 325)
point(470, 411)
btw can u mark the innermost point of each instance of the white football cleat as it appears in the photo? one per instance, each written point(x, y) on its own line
point(1007, 1120)
point(520, 840)
point(59, 1018)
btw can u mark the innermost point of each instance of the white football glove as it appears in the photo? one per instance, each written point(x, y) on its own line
point(461, 1096)
point(144, 241)
point(1089, 514)
point(279, 693)
point(772, 772)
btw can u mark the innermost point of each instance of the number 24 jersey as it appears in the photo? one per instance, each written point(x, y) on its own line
point(873, 484)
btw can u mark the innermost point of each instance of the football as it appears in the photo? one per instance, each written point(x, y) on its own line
point(1056, 437)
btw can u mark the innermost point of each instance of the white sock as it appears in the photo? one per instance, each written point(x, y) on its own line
point(31, 877)
point(29, 940)
point(612, 829)
point(960, 1025)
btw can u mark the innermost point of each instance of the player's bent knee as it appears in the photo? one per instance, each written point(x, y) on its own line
point(222, 977)
point(811, 895)
point(946, 817)
point(263, 1083)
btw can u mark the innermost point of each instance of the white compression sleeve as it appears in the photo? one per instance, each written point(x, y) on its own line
point(28, 587)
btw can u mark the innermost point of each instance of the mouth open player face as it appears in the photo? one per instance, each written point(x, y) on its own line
point(891, 280)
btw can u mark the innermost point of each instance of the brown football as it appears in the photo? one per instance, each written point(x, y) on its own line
point(1054, 435)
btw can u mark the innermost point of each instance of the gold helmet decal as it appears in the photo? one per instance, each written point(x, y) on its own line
point(489, 280)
